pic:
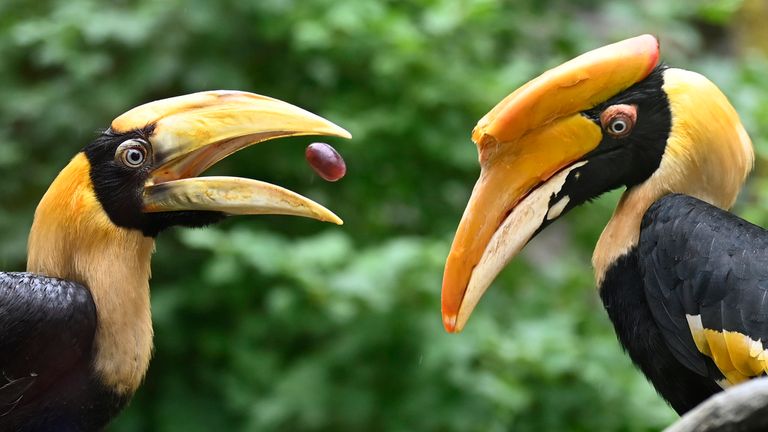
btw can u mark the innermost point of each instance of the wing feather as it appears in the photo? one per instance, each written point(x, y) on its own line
point(705, 274)
point(47, 327)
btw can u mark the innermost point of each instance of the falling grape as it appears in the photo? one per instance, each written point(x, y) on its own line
point(326, 161)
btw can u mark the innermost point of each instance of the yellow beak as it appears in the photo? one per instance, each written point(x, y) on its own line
point(527, 144)
point(191, 133)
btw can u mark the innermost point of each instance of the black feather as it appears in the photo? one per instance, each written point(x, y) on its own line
point(47, 326)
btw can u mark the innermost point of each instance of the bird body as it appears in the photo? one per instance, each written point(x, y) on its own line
point(691, 303)
point(49, 325)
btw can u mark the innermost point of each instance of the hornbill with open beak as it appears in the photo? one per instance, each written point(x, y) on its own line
point(684, 282)
point(75, 329)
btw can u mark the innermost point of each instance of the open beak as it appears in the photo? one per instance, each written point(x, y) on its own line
point(527, 145)
point(191, 133)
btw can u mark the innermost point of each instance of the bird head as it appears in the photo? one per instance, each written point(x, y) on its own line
point(144, 167)
point(613, 117)
point(139, 177)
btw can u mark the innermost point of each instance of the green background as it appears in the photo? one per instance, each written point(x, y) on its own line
point(288, 324)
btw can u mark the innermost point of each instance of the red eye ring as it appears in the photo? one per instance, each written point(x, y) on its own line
point(619, 120)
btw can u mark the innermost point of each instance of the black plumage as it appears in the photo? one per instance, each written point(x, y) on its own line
point(48, 326)
point(624, 299)
point(693, 260)
point(706, 261)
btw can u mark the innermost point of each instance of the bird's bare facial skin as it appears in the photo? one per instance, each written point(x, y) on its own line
point(619, 120)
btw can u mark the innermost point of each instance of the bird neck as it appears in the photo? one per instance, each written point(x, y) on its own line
point(72, 238)
point(715, 179)
point(623, 230)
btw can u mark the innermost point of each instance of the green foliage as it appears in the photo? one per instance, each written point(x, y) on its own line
point(286, 324)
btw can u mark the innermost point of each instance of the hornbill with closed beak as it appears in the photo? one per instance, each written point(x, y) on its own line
point(75, 329)
point(684, 282)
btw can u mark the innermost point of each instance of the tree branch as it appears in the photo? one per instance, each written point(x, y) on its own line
point(742, 408)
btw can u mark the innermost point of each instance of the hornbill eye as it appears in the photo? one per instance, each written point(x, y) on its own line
point(132, 153)
point(618, 120)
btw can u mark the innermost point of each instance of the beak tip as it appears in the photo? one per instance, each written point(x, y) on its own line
point(329, 216)
point(335, 130)
point(449, 323)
